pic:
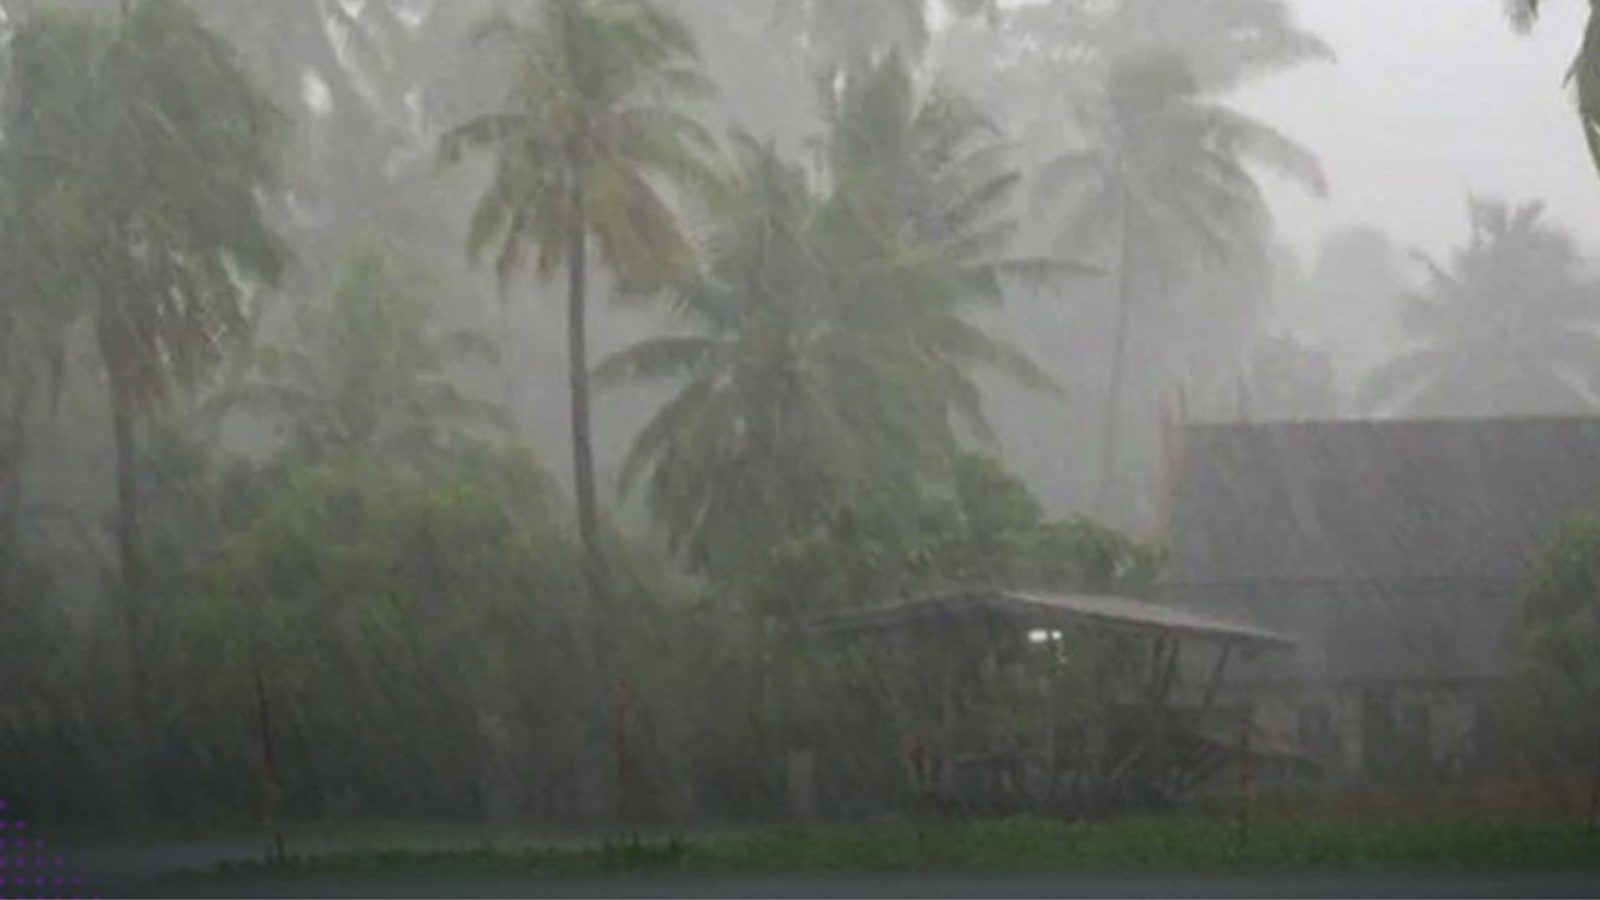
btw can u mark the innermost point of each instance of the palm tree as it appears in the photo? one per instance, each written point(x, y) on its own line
point(368, 372)
point(1506, 328)
point(586, 127)
point(829, 343)
point(1165, 182)
point(920, 221)
point(736, 458)
point(142, 148)
point(1585, 71)
point(31, 360)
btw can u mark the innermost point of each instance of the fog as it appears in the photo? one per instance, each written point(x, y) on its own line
point(500, 439)
point(1429, 101)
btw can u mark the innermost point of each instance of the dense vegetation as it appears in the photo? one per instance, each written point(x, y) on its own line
point(283, 531)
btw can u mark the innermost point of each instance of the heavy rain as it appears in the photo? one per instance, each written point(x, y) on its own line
point(799, 447)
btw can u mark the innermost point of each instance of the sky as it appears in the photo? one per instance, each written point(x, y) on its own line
point(1430, 100)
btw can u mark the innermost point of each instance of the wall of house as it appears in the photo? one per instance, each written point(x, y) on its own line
point(1371, 732)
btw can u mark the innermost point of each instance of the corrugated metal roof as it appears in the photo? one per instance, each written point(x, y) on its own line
point(1397, 550)
point(1024, 609)
point(1377, 500)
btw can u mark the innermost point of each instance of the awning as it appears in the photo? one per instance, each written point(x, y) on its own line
point(1030, 610)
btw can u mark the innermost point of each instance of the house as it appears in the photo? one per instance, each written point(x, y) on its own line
point(1395, 551)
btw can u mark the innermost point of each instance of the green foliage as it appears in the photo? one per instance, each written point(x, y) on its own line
point(1143, 846)
point(874, 545)
point(831, 344)
point(99, 97)
point(1558, 694)
point(369, 370)
point(387, 615)
point(590, 127)
point(586, 124)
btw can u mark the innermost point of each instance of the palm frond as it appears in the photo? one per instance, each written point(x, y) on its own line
point(654, 359)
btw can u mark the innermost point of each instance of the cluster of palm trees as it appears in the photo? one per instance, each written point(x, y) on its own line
point(136, 155)
point(1505, 326)
point(826, 336)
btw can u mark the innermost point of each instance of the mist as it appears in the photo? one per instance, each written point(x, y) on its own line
point(619, 437)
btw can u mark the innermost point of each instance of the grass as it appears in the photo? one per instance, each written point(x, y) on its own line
point(1144, 846)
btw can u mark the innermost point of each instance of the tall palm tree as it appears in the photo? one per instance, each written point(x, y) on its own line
point(739, 454)
point(1585, 71)
point(1165, 182)
point(32, 359)
point(920, 221)
point(1506, 328)
point(587, 127)
point(143, 148)
point(828, 342)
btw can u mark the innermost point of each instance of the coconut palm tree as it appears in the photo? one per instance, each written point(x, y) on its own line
point(140, 149)
point(32, 360)
point(1164, 181)
point(587, 129)
point(828, 341)
point(919, 225)
point(1585, 71)
point(1505, 328)
point(736, 457)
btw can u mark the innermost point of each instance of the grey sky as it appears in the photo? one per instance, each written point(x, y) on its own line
point(1430, 99)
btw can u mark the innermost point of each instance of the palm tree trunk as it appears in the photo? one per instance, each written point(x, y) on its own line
point(578, 375)
point(511, 398)
point(588, 504)
point(13, 453)
point(1110, 433)
point(114, 352)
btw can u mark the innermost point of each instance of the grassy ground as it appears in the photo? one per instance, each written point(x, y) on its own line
point(1143, 846)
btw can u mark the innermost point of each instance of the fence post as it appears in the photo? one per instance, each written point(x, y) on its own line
point(1245, 782)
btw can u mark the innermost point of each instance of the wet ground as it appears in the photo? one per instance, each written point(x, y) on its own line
point(930, 885)
point(151, 869)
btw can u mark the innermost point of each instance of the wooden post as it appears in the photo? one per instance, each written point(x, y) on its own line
point(1050, 771)
point(277, 853)
point(622, 709)
point(1215, 682)
point(948, 732)
point(1245, 782)
point(1592, 818)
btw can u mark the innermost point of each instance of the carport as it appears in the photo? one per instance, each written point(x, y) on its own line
point(1138, 743)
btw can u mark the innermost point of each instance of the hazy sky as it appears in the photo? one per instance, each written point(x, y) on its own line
point(1430, 99)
